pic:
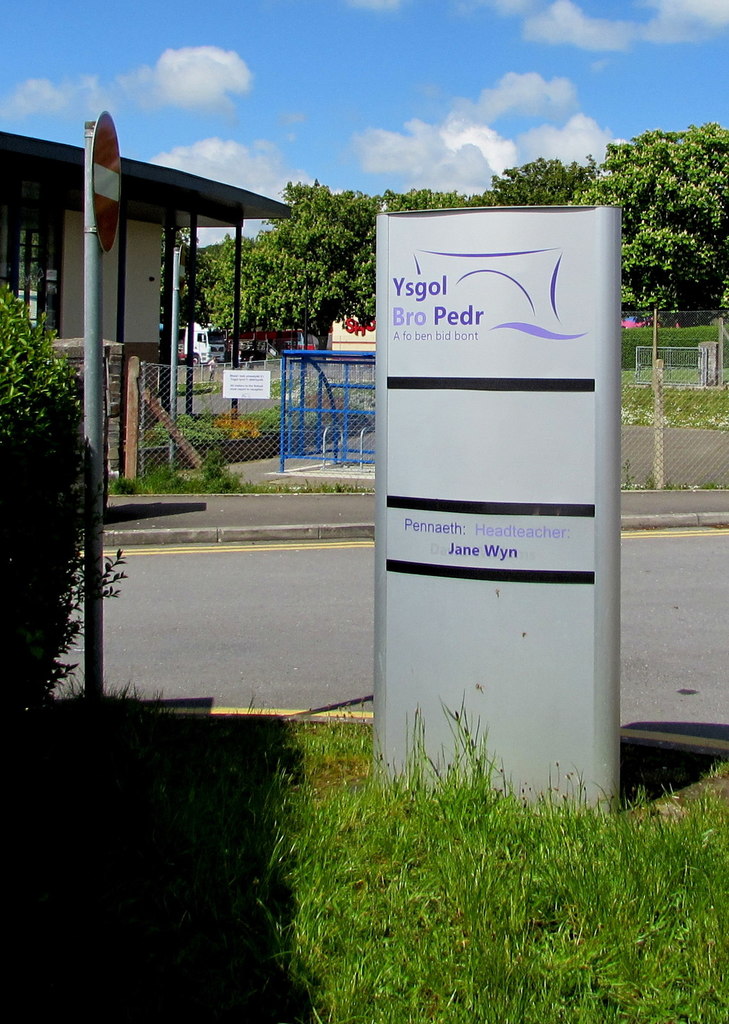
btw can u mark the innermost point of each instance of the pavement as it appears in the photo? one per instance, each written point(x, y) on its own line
point(133, 520)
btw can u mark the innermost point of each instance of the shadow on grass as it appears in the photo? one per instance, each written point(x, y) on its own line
point(650, 771)
point(152, 858)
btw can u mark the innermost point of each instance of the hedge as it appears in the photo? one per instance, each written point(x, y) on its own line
point(41, 522)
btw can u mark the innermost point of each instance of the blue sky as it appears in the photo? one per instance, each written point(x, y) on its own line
point(364, 94)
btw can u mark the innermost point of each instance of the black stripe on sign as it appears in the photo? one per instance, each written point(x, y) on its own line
point(491, 508)
point(490, 384)
point(458, 572)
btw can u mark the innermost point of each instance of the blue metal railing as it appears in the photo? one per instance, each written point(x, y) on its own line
point(328, 407)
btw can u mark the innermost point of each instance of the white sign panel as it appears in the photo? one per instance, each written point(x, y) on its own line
point(246, 384)
point(498, 497)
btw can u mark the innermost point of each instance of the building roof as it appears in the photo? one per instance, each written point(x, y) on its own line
point(152, 194)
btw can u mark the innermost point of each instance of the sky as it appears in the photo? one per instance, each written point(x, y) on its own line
point(364, 94)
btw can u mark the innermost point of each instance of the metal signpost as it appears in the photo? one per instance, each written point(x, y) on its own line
point(175, 335)
point(498, 492)
point(102, 184)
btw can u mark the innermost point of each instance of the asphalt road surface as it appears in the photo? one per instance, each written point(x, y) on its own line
point(290, 626)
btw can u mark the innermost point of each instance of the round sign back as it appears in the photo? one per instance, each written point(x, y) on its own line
point(106, 178)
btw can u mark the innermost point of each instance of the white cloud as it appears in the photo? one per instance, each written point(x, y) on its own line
point(259, 168)
point(527, 94)
point(580, 137)
point(679, 21)
point(192, 78)
point(464, 150)
point(199, 78)
point(84, 96)
point(713, 13)
point(564, 22)
point(456, 154)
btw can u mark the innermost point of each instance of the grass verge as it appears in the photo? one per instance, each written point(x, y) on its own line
point(254, 870)
point(687, 408)
point(215, 478)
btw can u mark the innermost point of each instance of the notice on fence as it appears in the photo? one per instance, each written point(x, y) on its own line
point(246, 384)
point(498, 492)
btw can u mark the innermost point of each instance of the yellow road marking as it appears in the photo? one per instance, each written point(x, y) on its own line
point(323, 545)
point(712, 742)
point(365, 716)
point(685, 532)
point(675, 737)
point(243, 546)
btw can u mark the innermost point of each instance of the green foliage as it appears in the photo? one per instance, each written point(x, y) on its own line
point(251, 869)
point(673, 189)
point(316, 267)
point(668, 337)
point(40, 508)
point(182, 241)
point(213, 477)
point(450, 902)
point(167, 898)
point(542, 183)
point(216, 477)
point(166, 480)
point(205, 429)
point(687, 408)
point(319, 265)
point(424, 199)
point(215, 278)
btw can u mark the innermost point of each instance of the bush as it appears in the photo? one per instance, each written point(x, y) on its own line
point(205, 429)
point(41, 521)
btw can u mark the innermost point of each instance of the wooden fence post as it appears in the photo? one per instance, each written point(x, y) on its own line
point(131, 419)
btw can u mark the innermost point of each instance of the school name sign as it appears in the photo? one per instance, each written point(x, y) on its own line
point(498, 401)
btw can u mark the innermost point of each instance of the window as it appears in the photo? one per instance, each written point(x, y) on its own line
point(29, 251)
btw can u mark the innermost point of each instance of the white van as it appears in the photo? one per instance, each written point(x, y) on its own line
point(208, 344)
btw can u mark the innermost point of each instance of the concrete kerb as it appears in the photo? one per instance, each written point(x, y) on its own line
point(181, 536)
point(238, 534)
point(149, 520)
point(675, 520)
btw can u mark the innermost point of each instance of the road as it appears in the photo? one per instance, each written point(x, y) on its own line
point(290, 626)
point(267, 626)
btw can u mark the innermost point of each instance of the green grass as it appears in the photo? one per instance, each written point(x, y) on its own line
point(171, 481)
point(668, 337)
point(689, 408)
point(205, 387)
point(704, 409)
point(457, 904)
point(255, 870)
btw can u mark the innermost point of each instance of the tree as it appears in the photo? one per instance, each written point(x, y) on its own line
point(674, 191)
point(422, 199)
point(541, 183)
point(41, 468)
point(316, 267)
point(215, 279)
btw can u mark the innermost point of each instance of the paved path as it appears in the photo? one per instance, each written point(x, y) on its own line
point(188, 519)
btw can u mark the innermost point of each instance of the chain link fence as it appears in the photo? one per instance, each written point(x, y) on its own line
point(675, 400)
point(181, 425)
point(675, 408)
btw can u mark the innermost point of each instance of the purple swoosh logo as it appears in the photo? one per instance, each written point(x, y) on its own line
point(539, 332)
